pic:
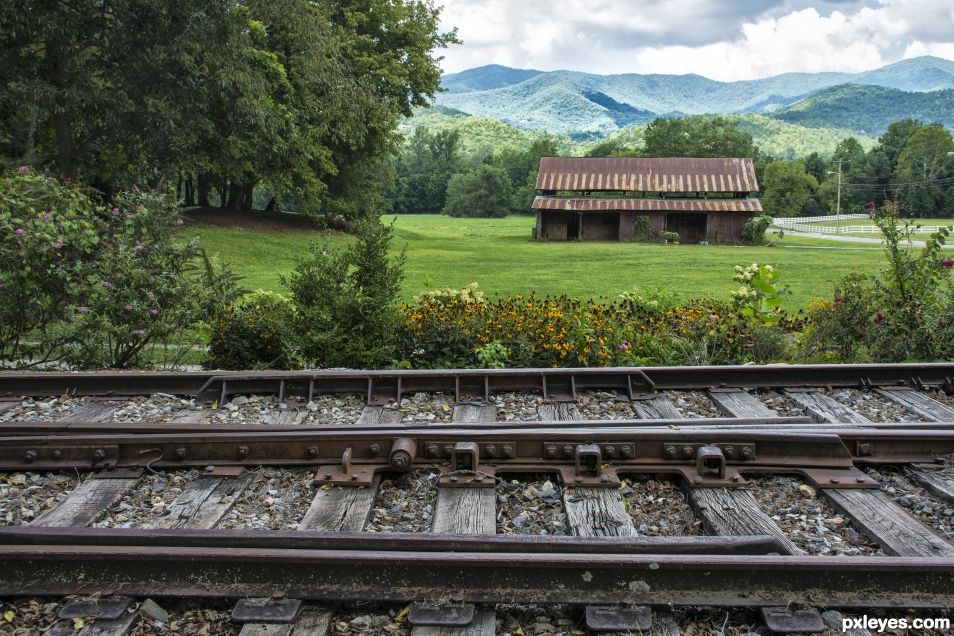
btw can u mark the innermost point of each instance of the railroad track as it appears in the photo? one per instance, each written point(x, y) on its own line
point(633, 497)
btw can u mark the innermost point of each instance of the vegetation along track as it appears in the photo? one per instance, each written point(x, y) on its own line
point(629, 496)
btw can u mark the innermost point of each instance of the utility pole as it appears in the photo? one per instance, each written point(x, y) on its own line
point(838, 196)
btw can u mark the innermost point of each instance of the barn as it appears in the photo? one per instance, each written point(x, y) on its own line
point(601, 198)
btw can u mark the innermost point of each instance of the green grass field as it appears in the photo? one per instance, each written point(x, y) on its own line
point(499, 255)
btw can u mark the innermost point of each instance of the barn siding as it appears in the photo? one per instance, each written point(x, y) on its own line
point(726, 227)
point(627, 225)
point(657, 222)
point(553, 226)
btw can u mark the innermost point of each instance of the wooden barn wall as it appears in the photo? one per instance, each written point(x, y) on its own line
point(601, 226)
point(657, 222)
point(627, 225)
point(726, 227)
point(553, 226)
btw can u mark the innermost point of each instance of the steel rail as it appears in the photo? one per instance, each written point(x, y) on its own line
point(382, 386)
point(656, 579)
point(388, 541)
point(624, 448)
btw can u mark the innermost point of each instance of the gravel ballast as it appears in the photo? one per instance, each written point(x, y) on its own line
point(405, 502)
point(658, 507)
point(530, 505)
point(807, 519)
point(275, 499)
point(693, 404)
point(24, 496)
point(604, 405)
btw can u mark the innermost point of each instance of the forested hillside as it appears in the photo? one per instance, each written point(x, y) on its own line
point(585, 106)
point(868, 109)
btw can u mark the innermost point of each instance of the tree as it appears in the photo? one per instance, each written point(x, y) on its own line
point(697, 136)
point(481, 191)
point(521, 167)
point(301, 97)
point(787, 188)
point(346, 312)
point(923, 162)
point(426, 166)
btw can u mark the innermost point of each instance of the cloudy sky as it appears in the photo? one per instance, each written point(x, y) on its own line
point(721, 39)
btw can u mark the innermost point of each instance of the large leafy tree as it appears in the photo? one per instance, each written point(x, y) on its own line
point(787, 188)
point(697, 136)
point(301, 97)
point(925, 173)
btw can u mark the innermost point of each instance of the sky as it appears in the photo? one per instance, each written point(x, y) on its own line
point(721, 39)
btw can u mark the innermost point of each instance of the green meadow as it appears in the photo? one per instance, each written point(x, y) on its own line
point(499, 255)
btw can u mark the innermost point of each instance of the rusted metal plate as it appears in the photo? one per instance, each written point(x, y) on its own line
point(782, 620)
point(647, 174)
point(266, 610)
point(456, 615)
point(606, 204)
point(600, 618)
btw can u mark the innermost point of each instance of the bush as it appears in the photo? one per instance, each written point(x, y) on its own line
point(98, 286)
point(483, 191)
point(254, 333)
point(345, 302)
point(49, 238)
point(669, 237)
point(753, 232)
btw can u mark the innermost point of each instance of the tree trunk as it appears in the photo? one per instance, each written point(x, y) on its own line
point(189, 193)
point(224, 194)
point(203, 191)
point(272, 205)
point(236, 197)
point(249, 200)
point(62, 123)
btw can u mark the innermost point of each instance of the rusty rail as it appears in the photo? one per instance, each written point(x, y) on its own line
point(336, 575)
point(383, 386)
point(594, 456)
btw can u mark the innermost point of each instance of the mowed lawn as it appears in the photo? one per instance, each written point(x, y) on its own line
point(499, 255)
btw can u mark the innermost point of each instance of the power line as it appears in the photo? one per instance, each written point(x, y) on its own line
point(943, 181)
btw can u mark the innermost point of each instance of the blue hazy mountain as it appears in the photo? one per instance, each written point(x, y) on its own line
point(585, 104)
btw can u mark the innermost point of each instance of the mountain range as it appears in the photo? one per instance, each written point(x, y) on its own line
point(586, 105)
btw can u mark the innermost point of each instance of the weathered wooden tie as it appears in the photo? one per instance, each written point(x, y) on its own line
point(920, 404)
point(888, 524)
point(741, 404)
point(825, 408)
point(89, 501)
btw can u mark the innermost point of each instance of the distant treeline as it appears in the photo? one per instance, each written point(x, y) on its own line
point(909, 164)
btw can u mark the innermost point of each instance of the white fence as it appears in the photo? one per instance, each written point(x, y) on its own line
point(781, 222)
point(806, 224)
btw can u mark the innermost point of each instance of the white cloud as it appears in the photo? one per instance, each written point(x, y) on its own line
point(720, 39)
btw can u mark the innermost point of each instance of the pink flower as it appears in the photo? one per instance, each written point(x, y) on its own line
point(140, 332)
point(19, 231)
point(879, 318)
point(948, 262)
point(149, 294)
point(57, 245)
point(23, 170)
point(115, 211)
point(47, 216)
point(153, 312)
point(81, 309)
point(107, 284)
point(625, 346)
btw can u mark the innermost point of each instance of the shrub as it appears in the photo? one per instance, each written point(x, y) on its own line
point(837, 330)
point(49, 237)
point(97, 286)
point(483, 191)
point(253, 334)
point(147, 288)
point(669, 237)
point(760, 296)
point(345, 301)
point(753, 232)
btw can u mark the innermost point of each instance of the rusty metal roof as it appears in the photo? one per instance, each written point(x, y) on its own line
point(645, 174)
point(606, 204)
